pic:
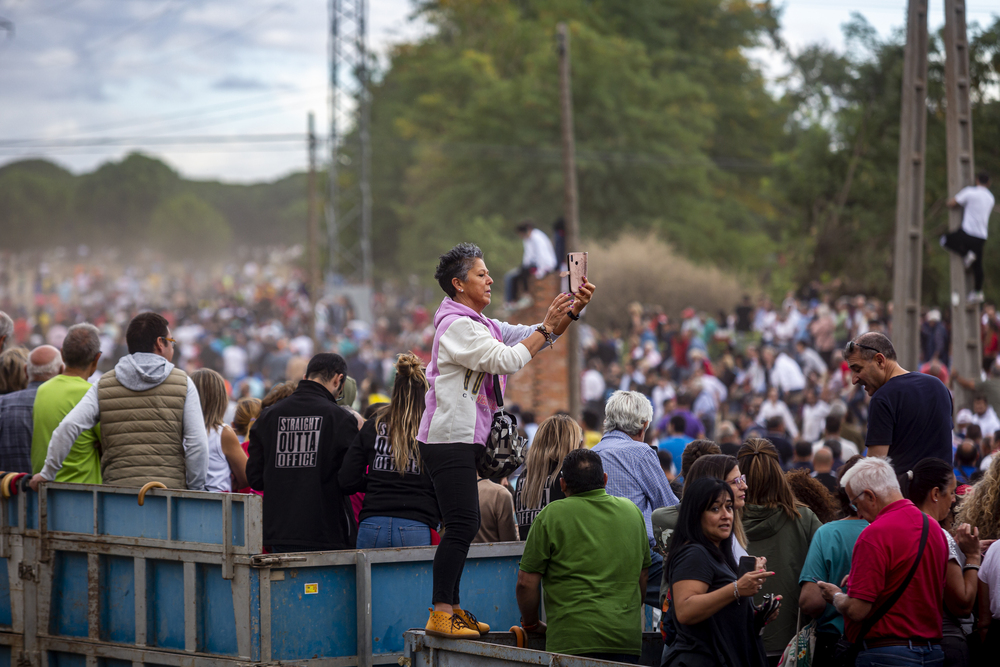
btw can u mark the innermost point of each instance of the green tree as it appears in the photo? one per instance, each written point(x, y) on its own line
point(186, 226)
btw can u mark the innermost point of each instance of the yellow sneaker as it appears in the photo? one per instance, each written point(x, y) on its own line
point(443, 624)
point(471, 620)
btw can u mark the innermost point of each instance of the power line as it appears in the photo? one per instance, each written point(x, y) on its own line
point(72, 142)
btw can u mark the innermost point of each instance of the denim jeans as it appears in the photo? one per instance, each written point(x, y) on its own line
point(653, 583)
point(382, 532)
point(914, 655)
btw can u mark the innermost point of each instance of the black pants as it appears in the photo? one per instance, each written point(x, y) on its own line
point(452, 468)
point(961, 243)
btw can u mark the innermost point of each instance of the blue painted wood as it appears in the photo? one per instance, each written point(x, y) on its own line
point(255, 615)
point(120, 515)
point(69, 595)
point(198, 520)
point(165, 603)
point(6, 614)
point(117, 604)
point(323, 625)
point(71, 511)
point(401, 594)
point(216, 618)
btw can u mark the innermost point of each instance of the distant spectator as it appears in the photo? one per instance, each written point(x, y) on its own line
point(247, 411)
point(776, 435)
point(226, 458)
point(539, 259)
point(822, 470)
point(728, 438)
point(773, 407)
point(666, 464)
point(966, 459)
point(539, 485)
point(81, 351)
point(802, 456)
point(693, 428)
point(591, 428)
point(831, 431)
point(983, 415)
point(814, 414)
point(278, 392)
point(783, 373)
point(676, 440)
point(173, 449)
point(16, 408)
point(583, 551)
point(12, 375)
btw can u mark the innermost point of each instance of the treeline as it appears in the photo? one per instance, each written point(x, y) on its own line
point(677, 133)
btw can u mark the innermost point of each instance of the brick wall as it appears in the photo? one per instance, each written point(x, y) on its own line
point(542, 385)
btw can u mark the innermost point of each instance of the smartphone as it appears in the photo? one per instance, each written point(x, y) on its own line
point(576, 262)
point(747, 564)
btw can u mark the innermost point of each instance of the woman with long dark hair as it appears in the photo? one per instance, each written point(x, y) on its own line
point(930, 485)
point(399, 509)
point(468, 352)
point(712, 609)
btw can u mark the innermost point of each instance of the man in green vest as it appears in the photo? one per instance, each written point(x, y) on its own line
point(152, 429)
point(80, 351)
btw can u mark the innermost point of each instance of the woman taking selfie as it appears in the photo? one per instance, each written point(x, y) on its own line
point(469, 349)
point(712, 609)
point(539, 485)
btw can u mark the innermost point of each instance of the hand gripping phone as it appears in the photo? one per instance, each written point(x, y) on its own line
point(576, 262)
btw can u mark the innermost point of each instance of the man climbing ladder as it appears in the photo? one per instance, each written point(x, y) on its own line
point(968, 240)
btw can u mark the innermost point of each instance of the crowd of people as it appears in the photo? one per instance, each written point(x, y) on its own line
point(771, 480)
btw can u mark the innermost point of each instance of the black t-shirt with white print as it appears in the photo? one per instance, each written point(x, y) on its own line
point(370, 467)
point(525, 516)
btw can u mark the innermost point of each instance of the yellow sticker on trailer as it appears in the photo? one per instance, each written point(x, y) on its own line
point(312, 589)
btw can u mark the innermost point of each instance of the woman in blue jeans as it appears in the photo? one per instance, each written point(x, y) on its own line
point(400, 508)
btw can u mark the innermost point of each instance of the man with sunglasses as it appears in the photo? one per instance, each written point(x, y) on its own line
point(909, 416)
point(152, 428)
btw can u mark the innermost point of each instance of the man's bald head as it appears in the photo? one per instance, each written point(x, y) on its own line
point(823, 460)
point(44, 363)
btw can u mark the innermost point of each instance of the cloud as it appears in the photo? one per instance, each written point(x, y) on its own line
point(233, 82)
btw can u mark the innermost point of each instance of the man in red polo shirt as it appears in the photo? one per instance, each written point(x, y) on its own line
point(910, 632)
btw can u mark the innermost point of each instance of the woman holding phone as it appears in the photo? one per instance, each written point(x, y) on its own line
point(469, 349)
point(713, 609)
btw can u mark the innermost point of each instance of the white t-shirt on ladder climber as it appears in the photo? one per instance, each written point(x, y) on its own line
point(977, 203)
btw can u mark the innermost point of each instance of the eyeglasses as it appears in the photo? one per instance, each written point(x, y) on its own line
point(851, 345)
point(853, 506)
point(739, 481)
point(169, 340)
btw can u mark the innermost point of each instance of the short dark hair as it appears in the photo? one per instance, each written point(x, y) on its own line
point(583, 471)
point(591, 420)
point(835, 447)
point(833, 423)
point(324, 366)
point(81, 345)
point(980, 397)
point(845, 501)
point(803, 449)
point(983, 177)
point(869, 344)
point(678, 423)
point(144, 330)
point(973, 431)
point(666, 459)
point(456, 264)
point(774, 422)
point(525, 226)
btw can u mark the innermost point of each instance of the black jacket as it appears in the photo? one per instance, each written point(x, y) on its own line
point(296, 448)
point(369, 466)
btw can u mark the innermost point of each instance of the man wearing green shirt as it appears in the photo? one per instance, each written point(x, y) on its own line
point(591, 552)
point(81, 349)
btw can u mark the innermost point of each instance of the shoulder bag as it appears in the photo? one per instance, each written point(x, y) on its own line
point(846, 651)
point(504, 450)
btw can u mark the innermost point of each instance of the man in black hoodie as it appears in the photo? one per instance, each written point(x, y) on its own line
point(296, 449)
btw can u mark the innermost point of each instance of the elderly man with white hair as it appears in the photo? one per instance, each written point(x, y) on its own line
point(6, 330)
point(892, 606)
point(16, 410)
point(633, 468)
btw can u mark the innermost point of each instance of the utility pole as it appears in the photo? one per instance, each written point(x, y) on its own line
point(908, 256)
point(571, 206)
point(349, 210)
point(966, 346)
point(312, 250)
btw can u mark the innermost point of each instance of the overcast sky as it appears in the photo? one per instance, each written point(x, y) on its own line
point(141, 69)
